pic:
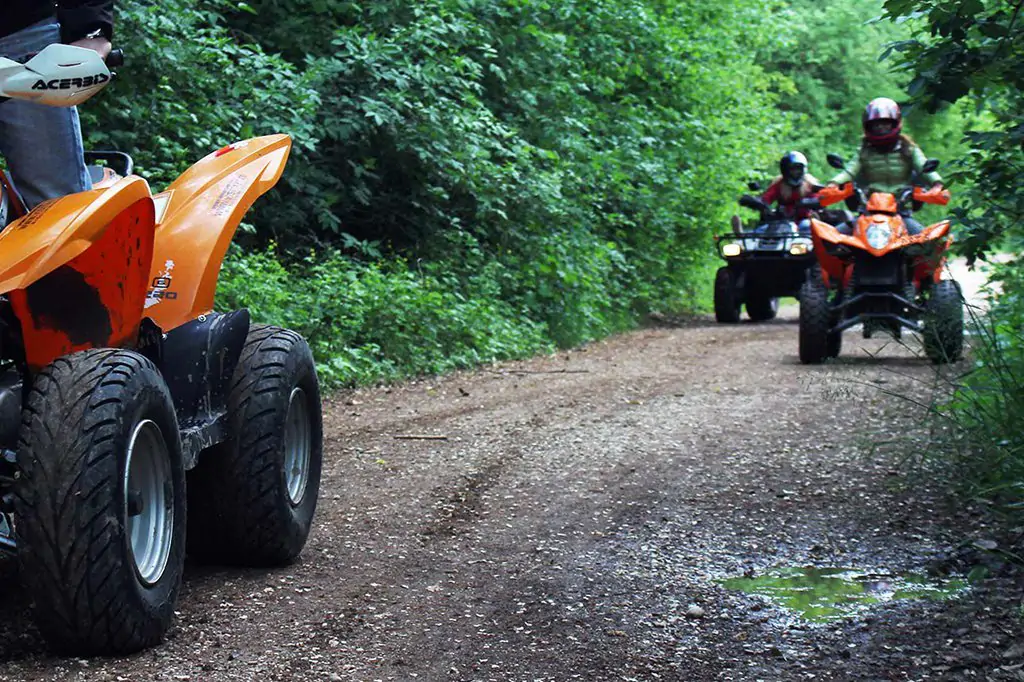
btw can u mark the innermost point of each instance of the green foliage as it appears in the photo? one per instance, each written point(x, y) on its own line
point(973, 51)
point(835, 55)
point(482, 180)
point(367, 322)
point(188, 88)
point(988, 405)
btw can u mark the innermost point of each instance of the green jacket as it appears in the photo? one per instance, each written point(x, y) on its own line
point(886, 171)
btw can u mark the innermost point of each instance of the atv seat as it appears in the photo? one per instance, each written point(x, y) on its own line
point(105, 167)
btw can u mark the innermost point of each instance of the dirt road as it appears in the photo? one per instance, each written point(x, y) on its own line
point(573, 524)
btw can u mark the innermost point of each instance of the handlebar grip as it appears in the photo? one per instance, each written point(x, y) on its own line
point(115, 59)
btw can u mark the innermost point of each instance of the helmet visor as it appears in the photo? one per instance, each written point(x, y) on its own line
point(882, 126)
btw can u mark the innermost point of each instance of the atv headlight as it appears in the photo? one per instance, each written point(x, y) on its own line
point(731, 249)
point(799, 249)
point(879, 235)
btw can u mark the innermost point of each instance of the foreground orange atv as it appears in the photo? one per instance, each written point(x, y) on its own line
point(881, 276)
point(116, 377)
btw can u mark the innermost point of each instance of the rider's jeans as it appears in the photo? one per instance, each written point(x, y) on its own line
point(42, 145)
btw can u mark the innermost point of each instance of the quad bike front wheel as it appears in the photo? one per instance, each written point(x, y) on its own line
point(100, 503)
point(944, 323)
point(727, 302)
point(762, 308)
point(815, 341)
point(254, 495)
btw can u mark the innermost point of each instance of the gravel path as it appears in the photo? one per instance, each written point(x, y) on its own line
point(575, 519)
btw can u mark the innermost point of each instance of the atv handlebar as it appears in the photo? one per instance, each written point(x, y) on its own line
point(115, 59)
point(833, 195)
point(755, 203)
point(59, 75)
point(938, 195)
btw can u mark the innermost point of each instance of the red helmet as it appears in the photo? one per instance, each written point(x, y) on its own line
point(883, 121)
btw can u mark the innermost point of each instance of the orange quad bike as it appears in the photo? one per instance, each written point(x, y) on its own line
point(881, 276)
point(117, 377)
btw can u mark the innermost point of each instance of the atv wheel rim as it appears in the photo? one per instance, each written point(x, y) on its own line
point(297, 445)
point(149, 501)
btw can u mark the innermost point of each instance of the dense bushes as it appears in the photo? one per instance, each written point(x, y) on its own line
point(972, 52)
point(368, 322)
point(475, 179)
point(471, 180)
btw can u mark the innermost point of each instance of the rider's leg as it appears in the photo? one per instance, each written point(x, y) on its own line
point(913, 227)
point(42, 145)
point(845, 228)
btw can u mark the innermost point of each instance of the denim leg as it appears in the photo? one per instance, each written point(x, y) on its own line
point(42, 145)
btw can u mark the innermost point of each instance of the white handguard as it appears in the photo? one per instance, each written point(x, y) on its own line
point(58, 76)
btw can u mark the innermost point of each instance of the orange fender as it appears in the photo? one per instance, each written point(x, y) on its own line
point(833, 195)
point(196, 219)
point(832, 268)
point(76, 270)
point(937, 196)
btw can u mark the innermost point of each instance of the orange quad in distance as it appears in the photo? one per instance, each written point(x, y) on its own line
point(117, 377)
point(880, 275)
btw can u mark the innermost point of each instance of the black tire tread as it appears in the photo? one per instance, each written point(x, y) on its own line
point(66, 497)
point(236, 486)
point(814, 322)
point(944, 323)
point(762, 308)
point(727, 307)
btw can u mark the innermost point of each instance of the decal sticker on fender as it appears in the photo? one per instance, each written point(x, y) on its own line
point(68, 83)
point(160, 286)
point(224, 202)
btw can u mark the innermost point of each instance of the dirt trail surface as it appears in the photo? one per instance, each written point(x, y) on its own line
point(573, 524)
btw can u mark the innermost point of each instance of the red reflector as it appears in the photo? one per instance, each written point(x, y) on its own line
point(224, 150)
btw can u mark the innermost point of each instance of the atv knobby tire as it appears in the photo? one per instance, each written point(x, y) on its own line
point(944, 323)
point(100, 503)
point(762, 309)
point(815, 343)
point(254, 495)
point(727, 302)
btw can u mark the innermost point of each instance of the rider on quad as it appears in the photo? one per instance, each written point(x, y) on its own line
point(887, 159)
point(43, 145)
point(794, 184)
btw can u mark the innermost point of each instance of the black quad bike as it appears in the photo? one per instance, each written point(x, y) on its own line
point(761, 264)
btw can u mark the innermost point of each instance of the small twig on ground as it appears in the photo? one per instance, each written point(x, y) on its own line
point(418, 436)
point(540, 371)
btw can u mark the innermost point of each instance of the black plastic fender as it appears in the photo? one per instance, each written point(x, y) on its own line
point(197, 361)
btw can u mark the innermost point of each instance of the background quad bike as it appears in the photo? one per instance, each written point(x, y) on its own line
point(116, 378)
point(898, 286)
point(761, 265)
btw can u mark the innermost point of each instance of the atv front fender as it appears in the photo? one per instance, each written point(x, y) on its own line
point(199, 213)
point(76, 270)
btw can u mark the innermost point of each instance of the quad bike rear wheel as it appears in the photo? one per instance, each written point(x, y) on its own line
point(254, 495)
point(100, 503)
point(834, 345)
point(944, 323)
point(815, 340)
point(727, 302)
point(762, 308)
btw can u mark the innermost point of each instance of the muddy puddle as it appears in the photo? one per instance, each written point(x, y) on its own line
point(824, 594)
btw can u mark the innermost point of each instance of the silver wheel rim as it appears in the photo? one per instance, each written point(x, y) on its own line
point(149, 501)
point(298, 440)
